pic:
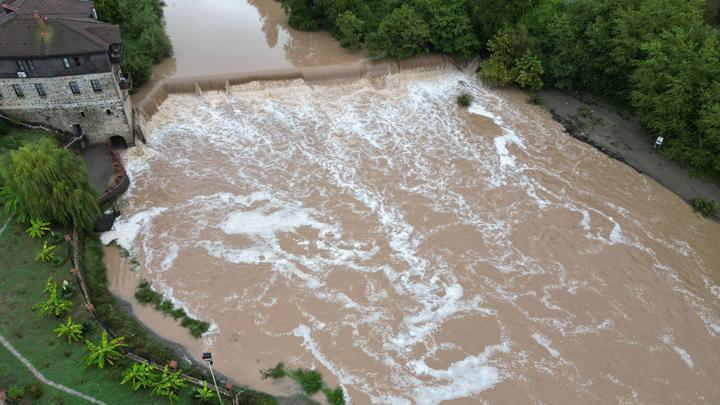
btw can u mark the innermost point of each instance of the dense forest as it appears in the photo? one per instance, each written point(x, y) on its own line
point(145, 42)
point(659, 58)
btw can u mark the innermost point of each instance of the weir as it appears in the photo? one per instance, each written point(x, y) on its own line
point(372, 69)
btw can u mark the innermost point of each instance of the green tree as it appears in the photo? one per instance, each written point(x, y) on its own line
point(401, 34)
point(350, 30)
point(169, 385)
point(451, 30)
point(528, 71)
point(489, 16)
point(301, 15)
point(669, 82)
point(51, 183)
point(70, 330)
point(105, 352)
point(140, 375)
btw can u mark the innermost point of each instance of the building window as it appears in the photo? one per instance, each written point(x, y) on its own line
point(82, 114)
point(40, 89)
point(77, 61)
point(96, 86)
point(66, 63)
point(30, 64)
point(22, 66)
point(75, 88)
point(18, 90)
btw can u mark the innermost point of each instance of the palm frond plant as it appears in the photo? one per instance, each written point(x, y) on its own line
point(54, 304)
point(169, 385)
point(38, 228)
point(70, 330)
point(47, 253)
point(140, 375)
point(105, 352)
point(50, 286)
point(205, 394)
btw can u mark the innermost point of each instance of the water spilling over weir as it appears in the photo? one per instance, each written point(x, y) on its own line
point(415, 252)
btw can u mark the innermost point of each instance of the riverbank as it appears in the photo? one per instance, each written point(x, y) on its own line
point(622, 138)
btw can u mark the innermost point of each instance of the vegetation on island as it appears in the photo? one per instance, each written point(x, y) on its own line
point(659, 59)
point(146, 295)
point(310, 381)
point(145, 42)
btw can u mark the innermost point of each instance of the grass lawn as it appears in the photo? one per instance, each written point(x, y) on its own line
point(22, 280)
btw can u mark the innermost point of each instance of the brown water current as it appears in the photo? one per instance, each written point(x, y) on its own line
point(415, 252)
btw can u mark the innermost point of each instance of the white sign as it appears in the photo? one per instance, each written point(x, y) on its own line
point(22, 75)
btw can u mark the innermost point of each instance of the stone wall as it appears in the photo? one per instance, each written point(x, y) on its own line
point(100, 115)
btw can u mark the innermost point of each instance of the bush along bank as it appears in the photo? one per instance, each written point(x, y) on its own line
point(146, 295)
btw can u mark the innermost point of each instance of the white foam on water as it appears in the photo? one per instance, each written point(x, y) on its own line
point(268, 224)
point(684, 355)
point(545, 342)
point(463, 378)
point(126, 230)
point(501, 142)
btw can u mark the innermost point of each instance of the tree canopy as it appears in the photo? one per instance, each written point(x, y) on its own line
point(50, 183)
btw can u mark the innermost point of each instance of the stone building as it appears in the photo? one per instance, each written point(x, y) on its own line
point(60, 67)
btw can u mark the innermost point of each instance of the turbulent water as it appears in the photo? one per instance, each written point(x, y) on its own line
point(416, 253)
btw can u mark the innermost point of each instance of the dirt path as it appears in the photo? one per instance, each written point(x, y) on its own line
point(39, 375)
point(623, 137)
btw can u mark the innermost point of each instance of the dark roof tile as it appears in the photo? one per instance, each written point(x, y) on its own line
point(61, 28)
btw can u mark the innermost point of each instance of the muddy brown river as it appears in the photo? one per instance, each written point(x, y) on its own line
point(415, 252)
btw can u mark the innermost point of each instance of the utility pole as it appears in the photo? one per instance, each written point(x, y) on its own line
point(207, 356)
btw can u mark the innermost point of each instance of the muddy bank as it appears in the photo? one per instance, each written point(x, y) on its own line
point(622, 139)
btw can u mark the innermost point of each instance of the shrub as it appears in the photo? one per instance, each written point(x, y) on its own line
point(275, 372)
point(205, 394)
point(16, 392)
point(309, 380)
point(54, 304)
point(46, 253)
point(169, 384)
point(140, 375)
point(70, 330)
point(197, 328)
point(464, 100)
point(334, 396)
point(37, 228)
point(705, 207)
point(145, 295)
point(105, 352)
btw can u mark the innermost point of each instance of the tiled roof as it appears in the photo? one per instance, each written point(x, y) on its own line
point(53, 27)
